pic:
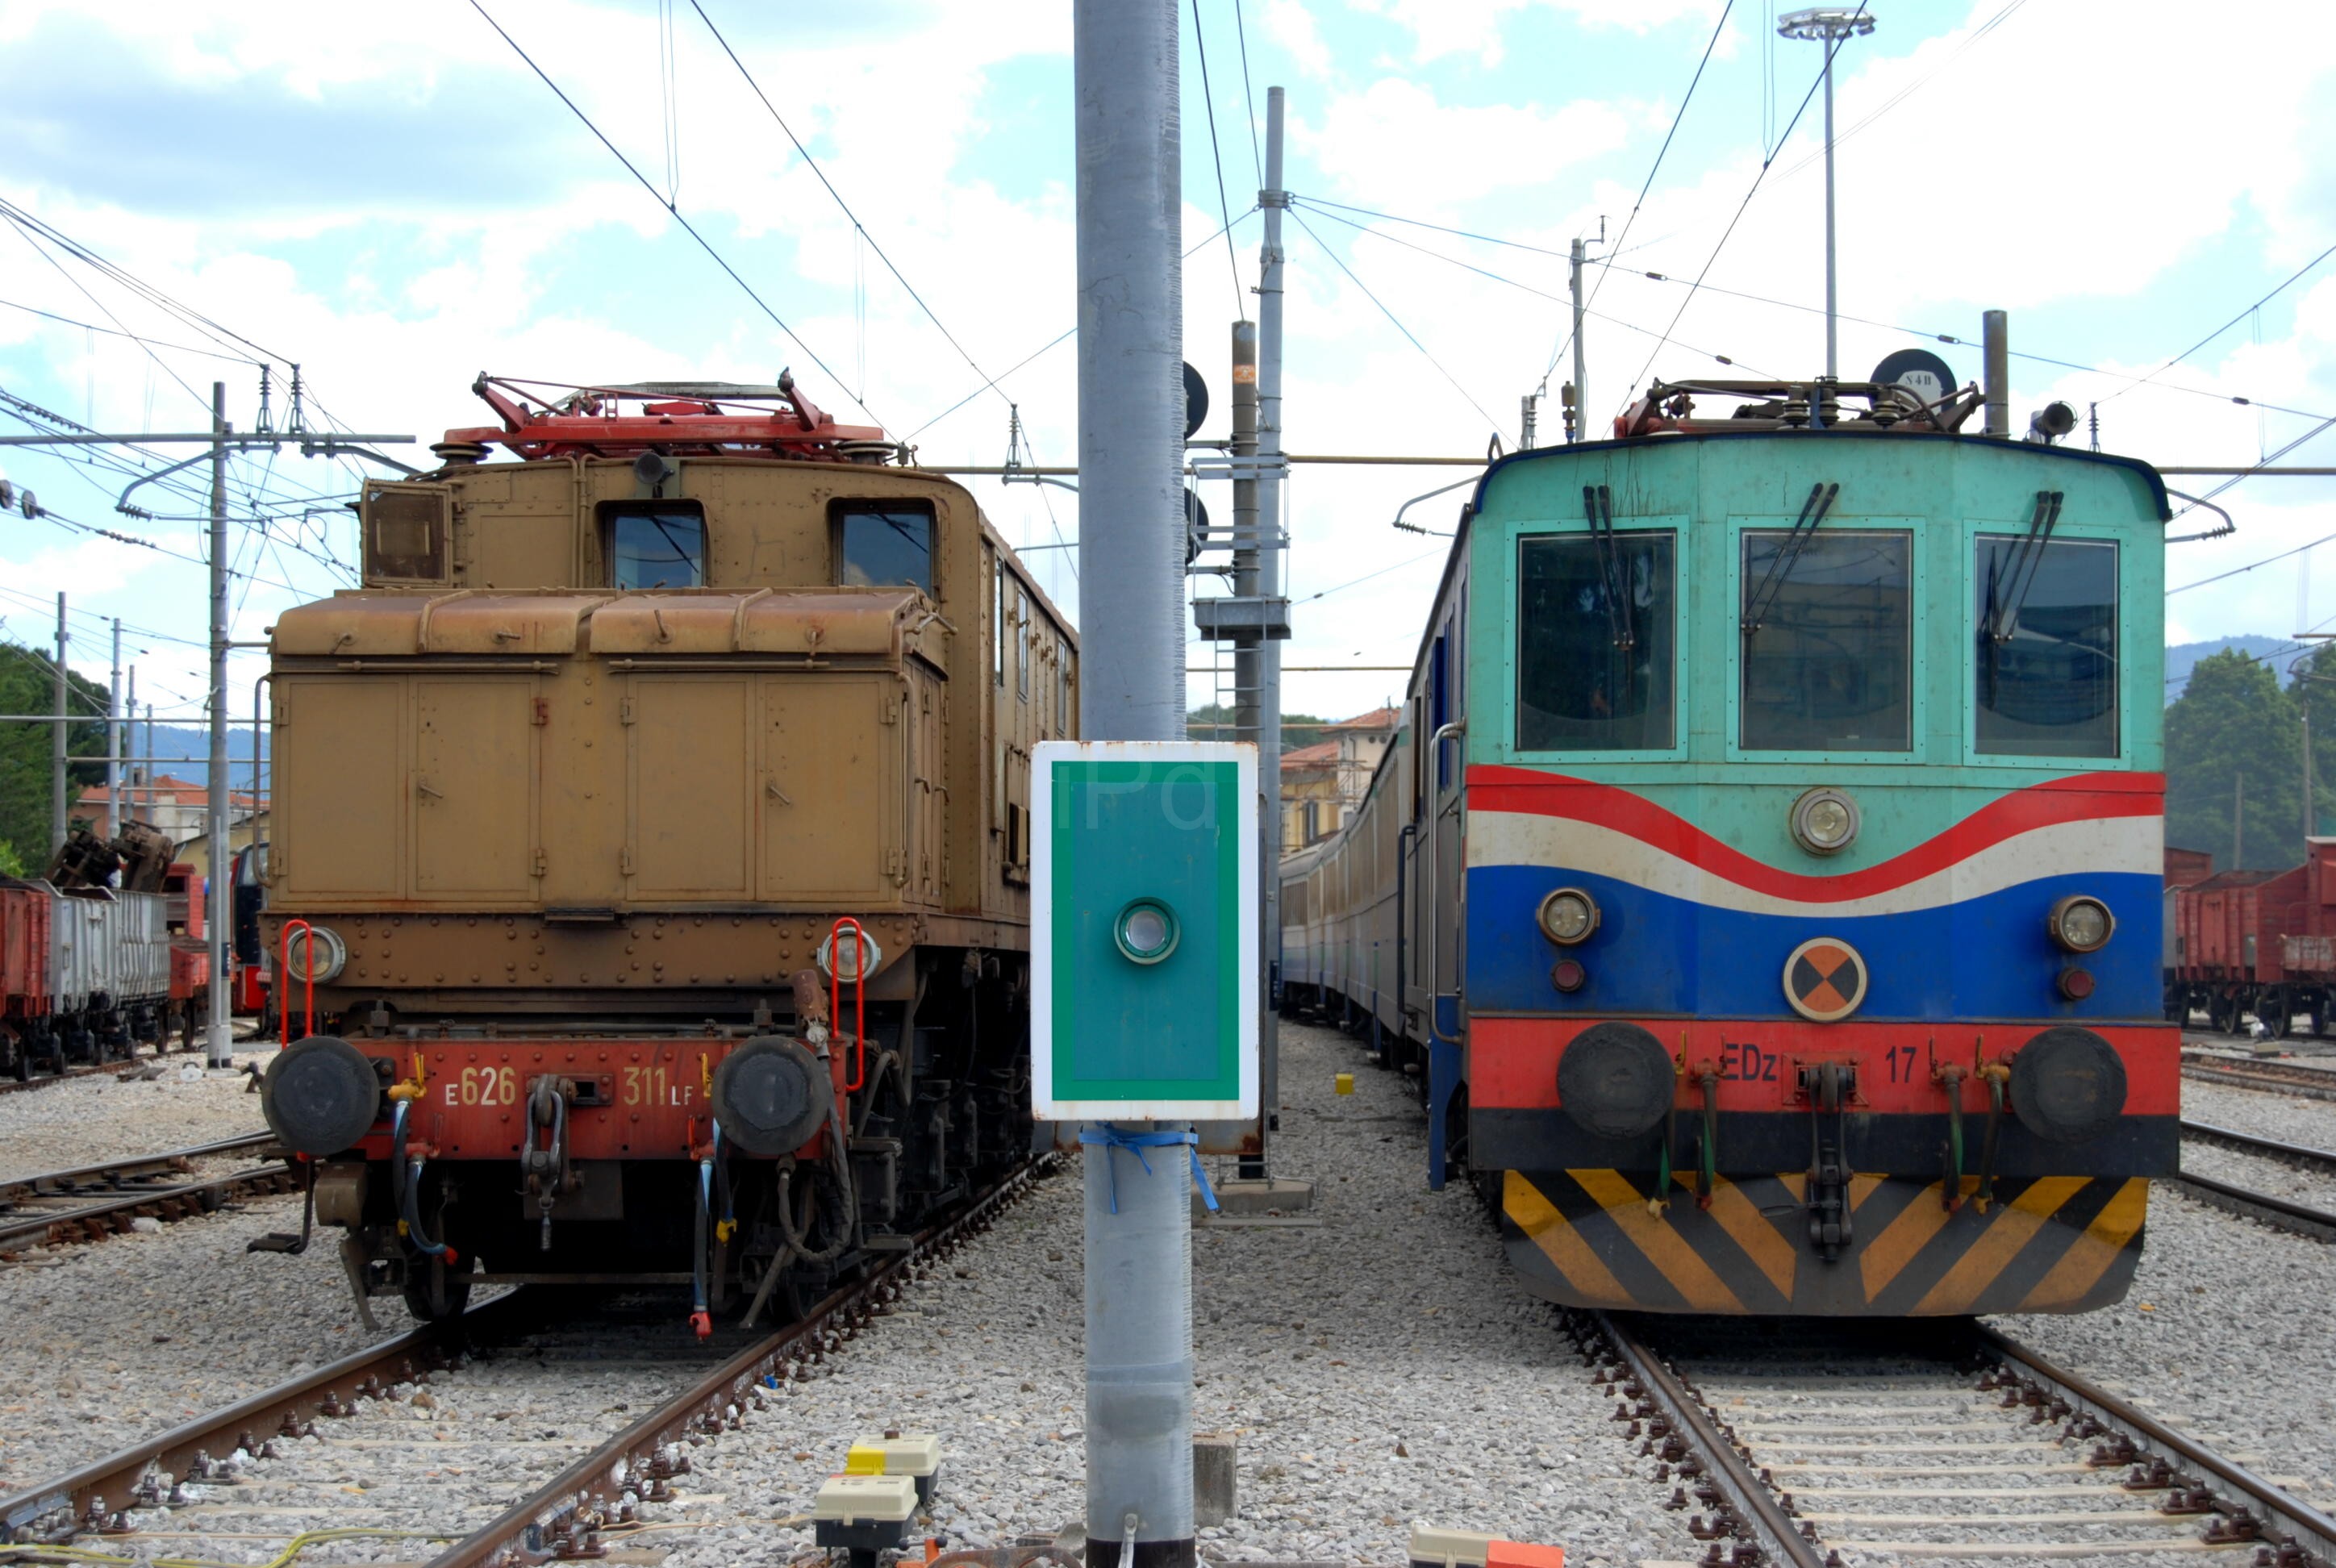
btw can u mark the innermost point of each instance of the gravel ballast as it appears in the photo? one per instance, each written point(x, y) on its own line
point(2290, 1118)
point(116, 1340)
point(2225, 1334)
point(103, 1116)
point(1375, 1361)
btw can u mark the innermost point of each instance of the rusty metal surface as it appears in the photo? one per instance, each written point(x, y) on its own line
point(568, 1509)
point(101, 1217)
point(264, 1416)
point(2269, 1502)
point(14, 1188)
point(1750, 1510)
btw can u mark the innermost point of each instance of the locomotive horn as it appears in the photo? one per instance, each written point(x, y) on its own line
point(320, 1096)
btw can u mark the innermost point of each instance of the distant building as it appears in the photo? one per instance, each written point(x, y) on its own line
point(178, 809)
point(1323, 783)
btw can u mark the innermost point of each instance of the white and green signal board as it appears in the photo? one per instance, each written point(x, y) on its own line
point(1143, 931)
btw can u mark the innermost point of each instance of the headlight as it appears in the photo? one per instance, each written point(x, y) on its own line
point(862, 947)
point(1568, 916)
point(1145, 932)
point(2082, 924)
point(315, 952)
point(1825, 821)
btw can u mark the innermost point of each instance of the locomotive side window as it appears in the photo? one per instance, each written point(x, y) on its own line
point(2047, 678)
point(653, 544)
point(405, 534)
point(1827, 624)
point(884, 546)
point(1596, 642)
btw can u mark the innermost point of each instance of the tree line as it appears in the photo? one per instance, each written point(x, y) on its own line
point(2235, 759)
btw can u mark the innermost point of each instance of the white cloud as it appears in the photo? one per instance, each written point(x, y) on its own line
point(1442, 27)
point(1394, 142)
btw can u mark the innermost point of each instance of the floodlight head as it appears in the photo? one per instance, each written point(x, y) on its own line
point(1825, 21)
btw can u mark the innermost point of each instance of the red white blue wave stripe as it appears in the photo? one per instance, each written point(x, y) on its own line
point(1951, 927)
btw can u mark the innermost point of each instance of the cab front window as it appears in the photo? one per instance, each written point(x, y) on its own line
point(657, 544)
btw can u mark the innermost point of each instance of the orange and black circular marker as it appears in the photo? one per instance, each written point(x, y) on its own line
point(1824, 979)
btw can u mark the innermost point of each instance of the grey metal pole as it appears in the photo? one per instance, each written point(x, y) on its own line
point(114, 740)
point(1833, 295)
point(1138, 1226)
point(1269, 512)
point(59, 817)
point(218, 1038)
point(1995, 370)
point(1581, 431)
point(1248, 649)
point(130, 741)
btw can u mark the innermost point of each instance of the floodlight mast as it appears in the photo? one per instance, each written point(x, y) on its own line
point(1828, 25)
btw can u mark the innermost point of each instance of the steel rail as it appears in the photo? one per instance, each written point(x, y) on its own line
point(564, 1514)
point(1755, 1506)
point(2307, 1082)
point(110, 1484)
point(84, 1070)
point(2286, 1215)
point(2281, 1507)
point(2302, 1155)
point(65, 1226)
point(14, 1188)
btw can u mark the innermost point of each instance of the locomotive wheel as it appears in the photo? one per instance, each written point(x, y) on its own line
point(432, 1295)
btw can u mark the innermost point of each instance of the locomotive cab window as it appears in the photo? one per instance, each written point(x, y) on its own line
point(406, 534)
point(1827, 630)
point(1596, 642)
point(887, 546)
point(2045, 681)
point(653, 544)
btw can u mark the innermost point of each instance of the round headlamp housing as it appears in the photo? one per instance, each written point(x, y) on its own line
point(1825, 821)
point(313, 953)
point(1145, 932)
point(1568, 916)
point(2082, 924)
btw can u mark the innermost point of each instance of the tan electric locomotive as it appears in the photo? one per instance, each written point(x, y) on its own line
point(652, 824)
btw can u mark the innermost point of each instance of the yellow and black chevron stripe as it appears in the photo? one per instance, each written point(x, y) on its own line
point(2050, 1244)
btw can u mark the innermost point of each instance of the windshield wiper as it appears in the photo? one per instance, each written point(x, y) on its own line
point(1780, 565)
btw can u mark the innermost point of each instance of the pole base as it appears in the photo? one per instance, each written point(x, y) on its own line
point(1103, 1553)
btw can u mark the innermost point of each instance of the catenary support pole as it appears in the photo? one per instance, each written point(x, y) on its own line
point(114, 740)
point(1832, 291)
point(1249, 648)
point(1580, 428)
point(59, 813)
point(218, 1038)
point(129, 745)
point(1138, 1223)
point(1270, 492)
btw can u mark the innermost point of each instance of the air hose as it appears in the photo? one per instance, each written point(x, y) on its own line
point(405, 1178)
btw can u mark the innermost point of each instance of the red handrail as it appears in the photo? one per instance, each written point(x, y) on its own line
point(859, 995)
point(283, 968)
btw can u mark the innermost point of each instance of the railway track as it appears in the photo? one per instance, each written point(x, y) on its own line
point(2280, 1077)
point(2272, 1209)
point(9, 1085)
point(89, 1203)
point(1866, 1444)
point(429, 1440)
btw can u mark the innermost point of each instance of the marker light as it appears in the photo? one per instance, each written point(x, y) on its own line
point(1825, 821)
point(1568, 916)
point(2082, 924)
point(1145, 930)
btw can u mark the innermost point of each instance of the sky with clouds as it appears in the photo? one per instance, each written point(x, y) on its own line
point(393, 199)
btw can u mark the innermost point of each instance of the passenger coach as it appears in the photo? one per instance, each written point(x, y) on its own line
point(1765, 880)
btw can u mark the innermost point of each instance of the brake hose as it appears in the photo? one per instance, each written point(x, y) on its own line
point(408, 1190)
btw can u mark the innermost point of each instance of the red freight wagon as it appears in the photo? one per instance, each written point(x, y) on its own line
point(26, 1000)
point(2187, 868)
point(2229, 936)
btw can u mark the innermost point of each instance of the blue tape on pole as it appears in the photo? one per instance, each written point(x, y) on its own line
point(1109, 1137)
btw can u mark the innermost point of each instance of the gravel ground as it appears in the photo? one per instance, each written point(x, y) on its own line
point(1377, 1367)
point(101, 1116)
point(2290, 1118)
point(2224, 1335)
point(111, 1342)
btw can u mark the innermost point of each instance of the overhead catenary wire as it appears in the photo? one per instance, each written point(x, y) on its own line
point(1528, 289)
point(2287, 282)
point(1217, 156)
point(687, 227)
point(1411, 338)
point(1832, 47)
point(132, 336)
point(1249, 93)
point(1649, 183)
